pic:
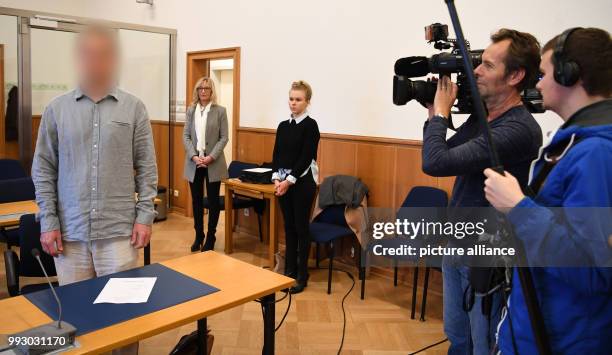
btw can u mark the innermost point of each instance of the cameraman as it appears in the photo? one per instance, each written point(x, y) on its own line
point(574, 171)
point(509, 65)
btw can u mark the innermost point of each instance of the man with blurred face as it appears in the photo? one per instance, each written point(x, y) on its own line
point(573, 173)
point(94, 152)
point(509, 65)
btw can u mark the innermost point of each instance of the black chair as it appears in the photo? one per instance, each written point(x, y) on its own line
point(329, 226)
point(434, 201)
point(25, 265)
point(239, 202)
point(19, 189)
point(11, 169)
point(13, 190)
point(436, 198)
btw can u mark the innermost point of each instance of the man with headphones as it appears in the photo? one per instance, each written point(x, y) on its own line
point(573, 173)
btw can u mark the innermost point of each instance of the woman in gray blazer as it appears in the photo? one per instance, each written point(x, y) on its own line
point(204, 137)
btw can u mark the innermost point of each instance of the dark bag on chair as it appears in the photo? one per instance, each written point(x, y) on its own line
point(188, 345)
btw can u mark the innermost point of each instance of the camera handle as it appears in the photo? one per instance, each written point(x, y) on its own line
point(526, 279)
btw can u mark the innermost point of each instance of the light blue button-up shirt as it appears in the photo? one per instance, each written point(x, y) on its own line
point(90, 159)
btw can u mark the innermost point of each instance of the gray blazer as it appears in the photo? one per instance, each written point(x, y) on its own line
point(216, 139)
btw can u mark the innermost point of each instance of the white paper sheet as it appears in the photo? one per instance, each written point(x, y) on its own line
point(126, 290)
point(258, 170)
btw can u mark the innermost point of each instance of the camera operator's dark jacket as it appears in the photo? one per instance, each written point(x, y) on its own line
point(517, 137)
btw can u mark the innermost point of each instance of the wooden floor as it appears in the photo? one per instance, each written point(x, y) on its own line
point(378, 325)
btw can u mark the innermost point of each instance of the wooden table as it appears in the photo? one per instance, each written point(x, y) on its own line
point(16, 209)
point(259, 191)
point(23, 207)
point(238, 282)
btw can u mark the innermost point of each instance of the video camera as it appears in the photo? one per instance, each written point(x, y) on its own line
point(444, 64)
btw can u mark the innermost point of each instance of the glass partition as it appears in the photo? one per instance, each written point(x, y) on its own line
point(37, 63)
point(53, 66)
point(9, 128)
point(145, 70)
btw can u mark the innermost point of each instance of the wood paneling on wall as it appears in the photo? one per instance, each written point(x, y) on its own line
point(390, 167)
point(35, 127)
point(182, 203)
point(161, 142)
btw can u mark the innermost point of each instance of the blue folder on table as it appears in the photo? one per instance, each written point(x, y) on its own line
point(171, 288)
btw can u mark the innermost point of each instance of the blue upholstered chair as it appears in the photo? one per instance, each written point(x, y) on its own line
point(25, 265)
point(328, 227)
point(13, 190)
point(11, 169)
point(429, 198)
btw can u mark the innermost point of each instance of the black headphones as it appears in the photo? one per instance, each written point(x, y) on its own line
point(567, 72)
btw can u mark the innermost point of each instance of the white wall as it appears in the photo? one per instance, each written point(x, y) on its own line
point(344, 48)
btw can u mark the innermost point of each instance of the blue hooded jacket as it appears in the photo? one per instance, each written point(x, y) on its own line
point(576, 302)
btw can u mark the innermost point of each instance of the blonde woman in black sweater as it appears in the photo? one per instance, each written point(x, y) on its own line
point(295, 178)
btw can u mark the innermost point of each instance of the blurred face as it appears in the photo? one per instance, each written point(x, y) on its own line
point(552, 92)
point(204, 91)
point(96, 59)
point(297, 102)
point(491, 74)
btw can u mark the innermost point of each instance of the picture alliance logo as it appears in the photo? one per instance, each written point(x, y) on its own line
point(411, 229)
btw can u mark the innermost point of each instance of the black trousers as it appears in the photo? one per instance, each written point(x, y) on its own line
point(296, 205)
point(197, 197)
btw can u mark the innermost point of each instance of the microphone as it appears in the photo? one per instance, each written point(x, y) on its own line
point(54, 335)
point(412, 66)
point(36, 255)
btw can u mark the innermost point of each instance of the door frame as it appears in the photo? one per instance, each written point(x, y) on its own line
point(194, 72)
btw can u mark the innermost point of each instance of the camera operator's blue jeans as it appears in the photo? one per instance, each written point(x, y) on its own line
point(468, 332)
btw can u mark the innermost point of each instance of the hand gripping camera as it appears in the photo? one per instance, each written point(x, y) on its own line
point(445, 63)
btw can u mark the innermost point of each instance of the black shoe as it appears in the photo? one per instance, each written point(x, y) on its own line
point(197, 244)
point(209, 244)
point(298, 288)
point(290, 274)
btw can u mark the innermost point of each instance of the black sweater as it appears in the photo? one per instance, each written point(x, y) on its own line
point(517, 137)
point(295, 146)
